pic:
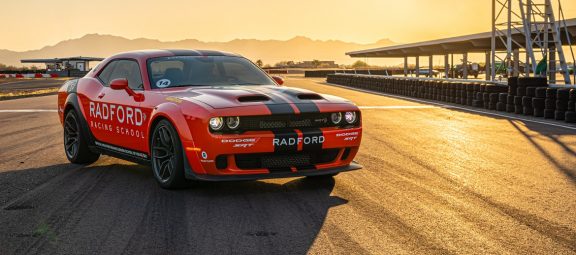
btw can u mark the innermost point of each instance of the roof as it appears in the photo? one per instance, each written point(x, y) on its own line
point(171, 53)
point(60, 60)
point(481, 42)
point(144, 54)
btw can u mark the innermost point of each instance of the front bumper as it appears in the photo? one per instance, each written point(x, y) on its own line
point(311, 172)
point(267, 154)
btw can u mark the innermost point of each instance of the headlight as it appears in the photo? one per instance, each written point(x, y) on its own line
point(336, 117)
point(350, 117)
point(233, 122)
point(216, 123)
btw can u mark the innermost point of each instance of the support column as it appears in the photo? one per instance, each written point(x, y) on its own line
point(405, 66)
point(527, 66)
point(430, 66)
point(452, 71)
point(465, 65)
point(488, 67)
point(552, 65)
point(516, 65)
point(446, 66)
point(417, 68)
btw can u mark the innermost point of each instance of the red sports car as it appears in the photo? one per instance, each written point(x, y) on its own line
point(205, 115)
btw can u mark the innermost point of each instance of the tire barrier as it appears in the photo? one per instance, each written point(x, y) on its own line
point(570, 115)
point(550, 103)
point(325, 73)
point(530, 96)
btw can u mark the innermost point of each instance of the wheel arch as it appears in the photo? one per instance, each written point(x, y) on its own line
point(173, 114)
point(72, 103)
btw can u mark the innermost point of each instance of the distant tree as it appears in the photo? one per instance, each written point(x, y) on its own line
point(259, 63)
point(316, 63)
point(359, 64)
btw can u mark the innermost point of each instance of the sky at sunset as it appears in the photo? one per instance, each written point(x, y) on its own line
point(32, 24)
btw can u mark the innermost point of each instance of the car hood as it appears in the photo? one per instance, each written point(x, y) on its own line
point(238, 96)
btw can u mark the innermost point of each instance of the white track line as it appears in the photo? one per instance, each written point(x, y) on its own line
point(27, 110)
point(401, 107)
point(455, 107)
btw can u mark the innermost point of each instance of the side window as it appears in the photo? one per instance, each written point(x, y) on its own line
point(105, 75)
point(126, 69)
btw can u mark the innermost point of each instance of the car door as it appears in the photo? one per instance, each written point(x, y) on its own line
point(116, 119)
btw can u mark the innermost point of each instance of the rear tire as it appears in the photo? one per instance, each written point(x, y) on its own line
point(167, 156)
point(75, 146)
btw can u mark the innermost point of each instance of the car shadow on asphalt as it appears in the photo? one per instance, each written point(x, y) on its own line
point(119, 208)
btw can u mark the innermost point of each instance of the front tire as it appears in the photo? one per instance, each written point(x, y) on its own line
point(167, 156)
point(75, 146)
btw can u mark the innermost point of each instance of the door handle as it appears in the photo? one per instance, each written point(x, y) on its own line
point(101, 95)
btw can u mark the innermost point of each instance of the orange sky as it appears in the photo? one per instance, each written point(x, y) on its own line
point(32, 24)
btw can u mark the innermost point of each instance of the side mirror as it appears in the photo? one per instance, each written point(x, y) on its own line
point(278, 80)
point(119, 84)
point(122, 84)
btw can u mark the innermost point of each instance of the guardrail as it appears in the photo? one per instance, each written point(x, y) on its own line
point(526, 95)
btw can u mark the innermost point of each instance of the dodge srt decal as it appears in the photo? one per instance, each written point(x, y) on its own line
point(295, 141)
point(241, 142)
point(350, 136)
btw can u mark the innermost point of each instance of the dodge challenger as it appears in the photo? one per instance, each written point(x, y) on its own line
point(205, 115)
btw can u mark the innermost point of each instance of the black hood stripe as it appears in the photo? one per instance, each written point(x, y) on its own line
point(303, 107)
point(277, 105)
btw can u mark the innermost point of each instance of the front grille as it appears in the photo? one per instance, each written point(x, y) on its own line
point(286, 121)
point(275, 161)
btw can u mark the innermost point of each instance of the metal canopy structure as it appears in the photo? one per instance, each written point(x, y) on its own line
point(60, 60)
point(61, 64)
point(474, 43)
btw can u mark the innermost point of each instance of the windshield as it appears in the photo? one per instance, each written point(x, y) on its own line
point(181, 71)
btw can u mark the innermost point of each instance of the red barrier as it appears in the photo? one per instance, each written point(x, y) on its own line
point(53, 75)
point(38, 75)
point(18, 75)
point(2, 76)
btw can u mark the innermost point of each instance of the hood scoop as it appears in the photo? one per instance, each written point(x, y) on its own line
point(253, 98)
point(309, 96)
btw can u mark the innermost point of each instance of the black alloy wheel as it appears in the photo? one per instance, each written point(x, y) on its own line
point(167, 156)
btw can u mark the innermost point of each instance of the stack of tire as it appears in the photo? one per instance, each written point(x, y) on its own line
point(527, 91)
point(469, 94)
point(539, 101)
point(478, 96)
point(492, 96)
point(562, 98)
point(502, 99)
point(550, 103)
point(570, 116)
point(512, 89)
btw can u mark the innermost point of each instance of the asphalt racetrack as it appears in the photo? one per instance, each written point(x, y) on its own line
point(437, 179)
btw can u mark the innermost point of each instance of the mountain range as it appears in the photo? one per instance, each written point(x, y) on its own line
point(299, 48)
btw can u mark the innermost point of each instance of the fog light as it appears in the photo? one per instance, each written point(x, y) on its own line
point(336, 117)
point(233, 122)
point(350, 117)
point(216, 123)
